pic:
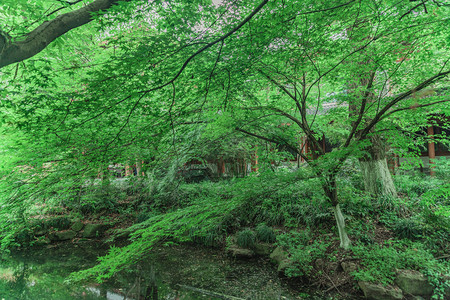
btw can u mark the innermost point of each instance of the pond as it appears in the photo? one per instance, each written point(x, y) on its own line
point(182, 272)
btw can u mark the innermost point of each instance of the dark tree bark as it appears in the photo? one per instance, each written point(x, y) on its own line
point(12, 51)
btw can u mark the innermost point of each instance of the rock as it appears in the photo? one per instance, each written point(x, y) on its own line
point(319, 263)
point(237, 252)
point(77, 226)
point(278, 255)
point(62, 235)
point(376, 291)
point(416, 298)
point(414, 283)
point(263, 249)
point(40, 231)
point(43, 241)
point(283, 265)
point(349, 266)
point(94, 230)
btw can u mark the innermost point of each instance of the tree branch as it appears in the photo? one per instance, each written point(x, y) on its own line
point(413, 107)
point(361, 111)
point(38, 39)
point(399, 98)
point(282, 143)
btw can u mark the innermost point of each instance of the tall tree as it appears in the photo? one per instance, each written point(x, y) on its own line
point(241, 64)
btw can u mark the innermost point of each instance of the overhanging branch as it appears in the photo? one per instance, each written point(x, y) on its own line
point(38, 39)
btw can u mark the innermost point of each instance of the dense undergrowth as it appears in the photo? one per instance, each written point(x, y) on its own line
point(283, 207)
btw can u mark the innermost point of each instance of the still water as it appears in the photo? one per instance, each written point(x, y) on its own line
point(182, 272)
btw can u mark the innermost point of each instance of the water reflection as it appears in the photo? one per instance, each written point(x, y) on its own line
point(169, 273)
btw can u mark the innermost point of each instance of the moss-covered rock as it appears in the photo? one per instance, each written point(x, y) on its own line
point(42, 241)
point(263, 249)
point(238, 252)
point(278, 255)
point(284, 265)
point(62, 235)
point(376, 291)
point(77, 226)
point(94, 230)
point(414, 283)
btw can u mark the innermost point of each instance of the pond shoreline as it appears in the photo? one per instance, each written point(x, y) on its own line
point(194, 270)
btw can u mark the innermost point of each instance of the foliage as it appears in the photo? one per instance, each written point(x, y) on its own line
point(165, 228)
point(265, 233)
point(380, 262)
point(246, 238)
point(161, 84)
point(303, 251)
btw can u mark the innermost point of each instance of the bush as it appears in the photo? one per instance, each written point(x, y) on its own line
point(380, 262)
point(408, 228)
point(59, 223)
point(246, 238)
point(304, 256)
point(265, 233)
point(416, 186)
point(212, 237)
point(303, 250)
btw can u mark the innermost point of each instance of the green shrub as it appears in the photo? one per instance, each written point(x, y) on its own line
point(416, 185)
point(380, 262)
point(294, 238)
point(246, 238)
point(265, 233)
point(212, 237)
point(304, 256)
point(144, 216)
point(409, 229)
point(303, 250)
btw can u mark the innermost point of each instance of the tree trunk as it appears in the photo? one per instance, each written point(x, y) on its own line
point(377, 177)
point(331, 193)
point(340, 221)
point(139, 168)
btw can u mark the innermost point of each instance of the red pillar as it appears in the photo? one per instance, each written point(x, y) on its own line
point(255, 161)
point(128, 170)
point(221, 167)
point(431, 149)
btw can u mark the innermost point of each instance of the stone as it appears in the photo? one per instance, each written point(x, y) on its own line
point(283, 265)
point(77, 226)
point(237, 252)
point(416, 298)
point(278, 255)
point(319, 263)
point(62, 235)
point(263, 249)
point(42, 241)
point(349, 266)
point(376, 291)
point(40, 232)
point(413, 283)
point(94, 230)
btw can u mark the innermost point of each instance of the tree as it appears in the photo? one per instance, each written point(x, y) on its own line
point(304, 63)
point(242, 66)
